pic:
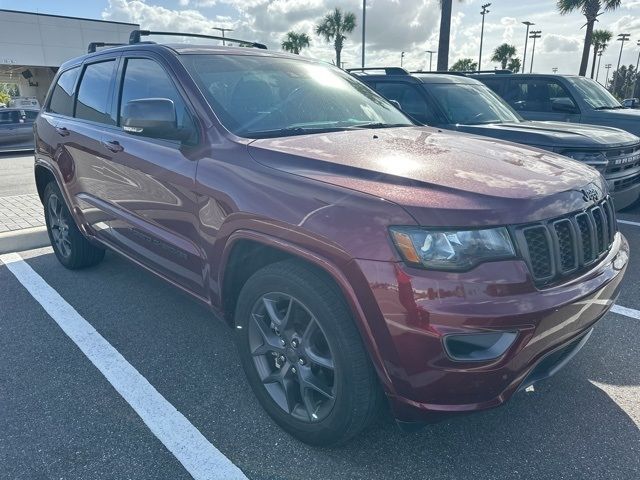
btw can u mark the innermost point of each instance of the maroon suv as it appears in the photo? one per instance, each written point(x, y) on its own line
point(360, 258)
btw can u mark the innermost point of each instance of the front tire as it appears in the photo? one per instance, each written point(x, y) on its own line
point(303, 355)
point(72, 249)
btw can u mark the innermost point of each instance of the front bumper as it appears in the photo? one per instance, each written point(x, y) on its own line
point(625, 194)
point(420, 308)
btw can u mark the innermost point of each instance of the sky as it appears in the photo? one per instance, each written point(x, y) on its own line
point(393, 26)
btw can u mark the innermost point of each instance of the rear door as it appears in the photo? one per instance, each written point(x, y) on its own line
point(147, 184)
point(542, 98)
point(9, 122)
point(81, 156)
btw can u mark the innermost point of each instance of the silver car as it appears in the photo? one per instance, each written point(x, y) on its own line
point(16, 129)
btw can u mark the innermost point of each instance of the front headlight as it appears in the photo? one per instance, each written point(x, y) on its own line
point(597, 160)
point(452, 249)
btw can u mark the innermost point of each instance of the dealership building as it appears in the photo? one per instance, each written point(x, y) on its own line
point(34, 45)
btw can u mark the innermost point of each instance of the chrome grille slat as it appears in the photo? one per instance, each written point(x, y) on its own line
point(563, 246)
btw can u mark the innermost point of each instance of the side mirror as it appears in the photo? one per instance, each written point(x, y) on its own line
point(564, 105)
point(151, 117)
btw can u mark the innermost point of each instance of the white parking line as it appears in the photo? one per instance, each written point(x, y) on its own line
point(201, 459)
point(627, 312)
point(627, 222)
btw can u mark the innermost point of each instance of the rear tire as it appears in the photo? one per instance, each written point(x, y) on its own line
point(72, 249)
point(303, 355)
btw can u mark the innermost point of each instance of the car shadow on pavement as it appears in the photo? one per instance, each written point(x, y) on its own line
point(567, 428)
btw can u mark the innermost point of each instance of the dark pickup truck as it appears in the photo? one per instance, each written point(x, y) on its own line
point(456, 102)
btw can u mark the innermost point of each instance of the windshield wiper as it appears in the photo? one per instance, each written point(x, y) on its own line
point(380, 125)
point(615, 107)
point(291, 131)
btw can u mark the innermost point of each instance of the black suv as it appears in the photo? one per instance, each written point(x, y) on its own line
point(567, 98)
point(456, 102)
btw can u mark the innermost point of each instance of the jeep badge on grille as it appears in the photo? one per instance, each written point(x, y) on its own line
point(590, 194)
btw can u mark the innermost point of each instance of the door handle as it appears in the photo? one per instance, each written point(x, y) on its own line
point(113, 146)
point(63, 131)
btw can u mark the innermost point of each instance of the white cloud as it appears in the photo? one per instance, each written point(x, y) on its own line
point(392, 26)
point(552, 43)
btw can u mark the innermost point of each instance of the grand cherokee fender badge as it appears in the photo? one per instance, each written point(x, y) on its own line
point(590, 194)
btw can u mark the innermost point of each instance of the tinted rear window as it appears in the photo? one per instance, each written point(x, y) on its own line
point(62, 97)
point(94, 93)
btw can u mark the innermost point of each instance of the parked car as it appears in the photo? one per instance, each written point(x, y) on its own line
point(563, 98)
point(463, 104)
point(16, 129)
point(631, 103)
point(24, 102)
point(357, 256)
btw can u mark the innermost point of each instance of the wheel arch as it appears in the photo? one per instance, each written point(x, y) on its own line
point(246, 252)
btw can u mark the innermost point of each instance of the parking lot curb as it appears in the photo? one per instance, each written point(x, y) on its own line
point(24, 239)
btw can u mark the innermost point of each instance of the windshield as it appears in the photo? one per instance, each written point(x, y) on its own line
point(471, 104)
point(261, 97)
point(594, 94)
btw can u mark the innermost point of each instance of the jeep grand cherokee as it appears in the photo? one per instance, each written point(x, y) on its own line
point(360, 258)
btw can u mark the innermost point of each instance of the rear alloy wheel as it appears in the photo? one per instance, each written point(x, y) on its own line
point(71, 248)
point(303, 355)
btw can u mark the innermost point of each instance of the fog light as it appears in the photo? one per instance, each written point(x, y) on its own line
point(478, 347)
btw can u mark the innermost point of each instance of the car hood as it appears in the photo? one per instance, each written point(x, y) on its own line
point(443, 178)
point(558, 135)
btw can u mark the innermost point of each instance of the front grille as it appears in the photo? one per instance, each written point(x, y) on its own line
point(558, 248)
point(622, 159)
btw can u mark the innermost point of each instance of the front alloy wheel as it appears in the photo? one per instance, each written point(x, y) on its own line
point(292, 356)
point(303, 355)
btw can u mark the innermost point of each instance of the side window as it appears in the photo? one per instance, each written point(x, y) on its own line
point(537, 95)
point(93, 95)
point(410, 99)
point(61, 101)
point(493, 84)
point(145, 78)
point(8, 117)
point(30, 115)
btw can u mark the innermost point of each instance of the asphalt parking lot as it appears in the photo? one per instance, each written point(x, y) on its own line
point(65, 413)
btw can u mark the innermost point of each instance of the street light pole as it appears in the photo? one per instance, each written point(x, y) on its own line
point(554, 69)
point(526, 40)
point(638, 61)
point(600, 52)
point(535, 35)
point(401, 59)
point(223, 30)
point(483, 13)
point(430, 52)
point(623, 37)
point(608, 67)
point(364, 26)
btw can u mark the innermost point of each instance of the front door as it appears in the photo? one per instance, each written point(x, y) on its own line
point(542, 99)
point(149, 182)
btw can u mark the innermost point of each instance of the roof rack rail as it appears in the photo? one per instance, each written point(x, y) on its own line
point(387, 70)
point(135, 35)
point(93, 46)
point(468, 72)
point(495, 72)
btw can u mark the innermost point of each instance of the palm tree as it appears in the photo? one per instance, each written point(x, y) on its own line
point(446, 7)
point(599, 40)
point(334, 27)
point(514, 65)
point(295, 42)
point(464, 65)
point(591, 10)
point(503, 54)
